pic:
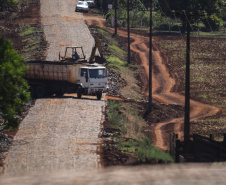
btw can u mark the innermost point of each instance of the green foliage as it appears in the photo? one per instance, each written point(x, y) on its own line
point(9, 1)
point(14, 88)
point(144, 150)
point(213, 23)
point(33, 40)
point(137, 12)
point(115, 117)
point(117, 51)
point(26, 30)
point(160, 21)
point(209, 6)
point(113, 105)
point(116, 62)
point(103, 4)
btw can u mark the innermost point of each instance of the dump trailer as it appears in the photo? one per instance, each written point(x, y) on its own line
point(47, 78)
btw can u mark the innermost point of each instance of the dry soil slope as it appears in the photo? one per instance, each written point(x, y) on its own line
point(59, 134)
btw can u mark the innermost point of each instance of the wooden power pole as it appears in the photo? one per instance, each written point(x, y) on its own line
point(115, 18)
point(128, 30)
point(187, 88)
point(150, 61)
point(187, 75)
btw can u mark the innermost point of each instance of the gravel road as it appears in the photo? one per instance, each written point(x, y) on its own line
point(59, 134)
point(64, 27)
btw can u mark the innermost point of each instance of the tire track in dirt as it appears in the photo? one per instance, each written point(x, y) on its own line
point(163, 84)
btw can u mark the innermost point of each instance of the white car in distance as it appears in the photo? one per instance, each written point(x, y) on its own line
point(82, 6)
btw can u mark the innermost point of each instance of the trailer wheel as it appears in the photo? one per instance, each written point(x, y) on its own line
point(59, 94)
point(99, 95)
point(79, 93)
point(40, 91)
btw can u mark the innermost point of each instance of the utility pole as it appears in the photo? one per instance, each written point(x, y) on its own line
point(128, 29)
point(115, 18)
point(187, 75)
point(150, 61)
point(187, 88)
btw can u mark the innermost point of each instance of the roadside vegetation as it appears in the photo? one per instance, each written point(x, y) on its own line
point(19, 42)
point(214, 19)
point(33, 42)
point(125, 123)
point(128, 129)
point(207, 63)
point(14, 88)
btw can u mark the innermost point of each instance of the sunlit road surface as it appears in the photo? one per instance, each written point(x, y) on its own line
point(57, 134)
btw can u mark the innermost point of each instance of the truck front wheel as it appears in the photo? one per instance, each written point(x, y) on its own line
point(99, 95)
point(79, 93)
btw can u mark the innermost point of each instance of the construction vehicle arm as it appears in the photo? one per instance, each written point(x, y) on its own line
point(100, 49)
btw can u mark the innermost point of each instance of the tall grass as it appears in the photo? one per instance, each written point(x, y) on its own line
point(131, 126)
point(115, 117)
point(144, 150)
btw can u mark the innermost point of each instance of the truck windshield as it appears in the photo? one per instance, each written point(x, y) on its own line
point(97, 73)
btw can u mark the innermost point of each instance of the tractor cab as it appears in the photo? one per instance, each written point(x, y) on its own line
point(73, 54)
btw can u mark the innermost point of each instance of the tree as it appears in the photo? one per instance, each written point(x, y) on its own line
point(103, 4)
point(209, 6)
point(14, 88)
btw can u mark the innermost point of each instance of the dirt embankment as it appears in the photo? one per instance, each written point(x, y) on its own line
point(21, 24)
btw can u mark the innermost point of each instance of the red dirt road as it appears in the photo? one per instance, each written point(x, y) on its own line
point(163, 84)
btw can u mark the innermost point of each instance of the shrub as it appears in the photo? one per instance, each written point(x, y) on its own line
point(14, 88)
point(213, 23)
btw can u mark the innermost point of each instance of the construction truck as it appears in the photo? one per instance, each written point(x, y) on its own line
point(71, 74)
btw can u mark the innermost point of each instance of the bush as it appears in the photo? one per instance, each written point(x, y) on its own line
point(160, 21)
point(115, 117)
point(213, 23)
point(144, 150)
point(14, 88)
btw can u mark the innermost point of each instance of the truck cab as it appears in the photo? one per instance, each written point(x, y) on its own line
point(93, 80)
